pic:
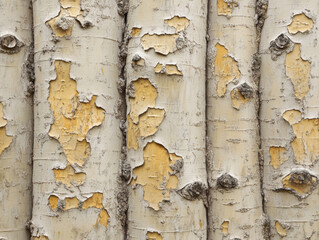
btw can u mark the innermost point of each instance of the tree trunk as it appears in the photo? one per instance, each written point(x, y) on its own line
point(289, 115)
point(77, 138)
point(235, 203)
point(15, 118)
point(166, 119)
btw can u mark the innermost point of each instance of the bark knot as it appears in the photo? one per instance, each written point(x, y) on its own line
point(300, 182)
point(279, 46)
point(227, 182)
point(10, 44)
point(192, 191)
point(246, 90)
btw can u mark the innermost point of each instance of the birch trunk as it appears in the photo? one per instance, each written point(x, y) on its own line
point(166, 119)
point(235, 203)
point(77, 136)
point(289, 115)
point(15, 118)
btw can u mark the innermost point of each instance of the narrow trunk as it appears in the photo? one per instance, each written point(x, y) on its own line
point(166, 119)
point(15, 118)
point(289, 115)
point(235, 209)
point(77, 135)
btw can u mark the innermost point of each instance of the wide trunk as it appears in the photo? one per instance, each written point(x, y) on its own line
point(166, 119)
point(235, 200)
point(289, 118)
point(77, 136)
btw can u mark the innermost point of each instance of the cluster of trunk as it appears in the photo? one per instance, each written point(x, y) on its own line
point(158, 119)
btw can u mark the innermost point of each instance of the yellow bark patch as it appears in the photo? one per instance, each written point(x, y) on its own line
point(179, 23)
point(132, 133)
point(168, 69)
point(93, 202)
point(5, 140)
point(298, 70)
point(42, 237)
point(300, 23)
point(200, 223)
point(145, 96)
point(147, 126)
point(225, 225)
point(237, 98)
point(3, 121)
point(153, 236)
point(57, 26)
point(226, 69)
point(158, 68)
point(226, 8)
point(278, 155)
point(104, 217)
point(73, 6)
point(70, 203)
point(280, 229)
point(305, 144)
point(68, 176)
point(299, 182)
point(155, 175)
point(292, 116)
point(53, 202)
point(72, 118)
point(173, 157)
point(171, 69)
point(140, 63)
point(163, 44)
point(135, 32)
point(63, 23)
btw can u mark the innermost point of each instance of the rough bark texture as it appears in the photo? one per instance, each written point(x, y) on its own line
point(15, 118)
point(166, 119)
point(77, 135)
point(235, 203)
point(129, 123)
point(289, 119)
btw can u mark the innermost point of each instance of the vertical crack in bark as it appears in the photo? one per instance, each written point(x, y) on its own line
point(261, 11)
point(29, 64)
point(125, 168)
point(207, 158)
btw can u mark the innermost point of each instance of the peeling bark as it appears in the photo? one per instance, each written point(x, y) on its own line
point(78, 144)
point(300, 23)
point(155, 176)
point(288, 117)
point(122, 127)
point(235, 201)
point(166, 73)
point(225, 68)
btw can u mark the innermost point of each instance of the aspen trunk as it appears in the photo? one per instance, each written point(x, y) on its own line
point(15, 118)
point(289, 115)
point(166, 119)
point(77, 136)
point(235, 203)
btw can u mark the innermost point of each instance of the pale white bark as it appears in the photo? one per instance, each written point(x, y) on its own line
point(235, 203)
point(91, 51)
point(289, 81)
point(166, 113)
point(15, 119)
